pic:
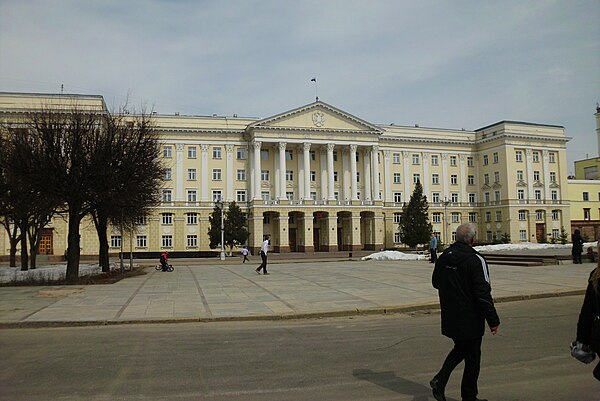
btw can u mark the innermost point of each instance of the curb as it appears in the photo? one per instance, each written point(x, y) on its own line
point(292, 316)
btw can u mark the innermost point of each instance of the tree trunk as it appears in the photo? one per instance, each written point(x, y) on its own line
point(24, 253)
point(73, 250)
point(101, 223)
point(34, 240)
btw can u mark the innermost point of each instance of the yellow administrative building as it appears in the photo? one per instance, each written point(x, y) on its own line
point(319, 179)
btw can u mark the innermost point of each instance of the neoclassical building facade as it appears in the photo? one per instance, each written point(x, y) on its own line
point(317, 178)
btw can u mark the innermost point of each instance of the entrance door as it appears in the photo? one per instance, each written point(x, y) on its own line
point(316, 239)
point(45, 246)
point(292, 240)
point(540, 232)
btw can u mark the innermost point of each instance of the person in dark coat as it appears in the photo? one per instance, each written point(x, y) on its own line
point(461, 277)
point(577, 248)
point(588, 314)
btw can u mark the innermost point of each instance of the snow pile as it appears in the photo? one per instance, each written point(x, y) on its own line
point(527, 245)
point(49, 272)
point(394, 255)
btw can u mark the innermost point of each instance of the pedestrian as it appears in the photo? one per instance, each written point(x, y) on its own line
point(590, 316)
point(245, 253)
point(577, 248)
point(461, 277)
point(164, 261)
point(433, 248)
point(263, 255)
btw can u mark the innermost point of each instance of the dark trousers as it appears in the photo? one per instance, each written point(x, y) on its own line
point(245, 258)
point(263, 265)
point(577, 257)
point(433, 253)
point(470, 352)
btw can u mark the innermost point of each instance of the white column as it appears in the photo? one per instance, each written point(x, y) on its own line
point(367, 180)
point(546, 165)
point(282, 146)
point(324, 179)
point(406, 173)
point(250, 176)
point(301, 174)
point(306, 157)
point(463, 178)
point(375, 163)
point(445, 177)
point(204, 175)
point(330, 147)
point(345, 179)
point(426, 179)
point(387, 177)
point(257, 183)
point(353, 171)
point(529, 172)
point(230, 177)
point(277, 171)
point(179, 196)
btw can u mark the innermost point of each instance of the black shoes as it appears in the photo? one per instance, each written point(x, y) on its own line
point(438, 389)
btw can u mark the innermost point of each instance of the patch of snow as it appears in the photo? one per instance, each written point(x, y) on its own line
point(48, 272)
point(394, 255)
point(527, 245)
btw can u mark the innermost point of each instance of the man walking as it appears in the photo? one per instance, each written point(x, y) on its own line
point(263, 255)
point(433, 248)
point(461, 277)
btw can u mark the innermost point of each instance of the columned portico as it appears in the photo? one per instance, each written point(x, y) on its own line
point(367, 178)
point(282, 171)
point(330, 194)
point(353, 173)
point(256, 146)
point(306, 157)
point(375, 172)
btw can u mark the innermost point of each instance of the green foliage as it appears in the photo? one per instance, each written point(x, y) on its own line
point(236, 226)
point(415, 226)
point(563, 237)
point(505, 238)
point(214, 228)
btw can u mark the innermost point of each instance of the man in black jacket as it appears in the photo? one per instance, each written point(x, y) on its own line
point(461, 277)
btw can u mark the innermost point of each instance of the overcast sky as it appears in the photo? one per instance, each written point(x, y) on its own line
point(446, 64)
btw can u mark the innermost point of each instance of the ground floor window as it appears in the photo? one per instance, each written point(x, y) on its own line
point(555, 233)
point(115, 241)
point(192, 241)
point(523, 235)
point(397, 238)
point(141, 241)
point(167, 241)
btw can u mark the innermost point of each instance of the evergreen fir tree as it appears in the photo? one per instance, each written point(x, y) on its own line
point(414, 225)
point(236, 226)
point(214, 228)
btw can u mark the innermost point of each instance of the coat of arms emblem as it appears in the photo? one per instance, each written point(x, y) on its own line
point(318, 119)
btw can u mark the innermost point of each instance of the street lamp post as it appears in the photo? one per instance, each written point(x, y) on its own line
point(221, 206)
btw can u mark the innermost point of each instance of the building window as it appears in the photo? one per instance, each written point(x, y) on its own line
point(335, 176)
point(168, 152)
point(520, 194)
point(436, 217)
point(397, 218)
point(554, 195)
point(241, 175)
point(519, 155)
point(264, 175)
point(192, 195)
point(191, 174)
point(167, 241)
point(453, 179)
point(216, 152)
point(115, 241)
point(395, 158)
point(453, 160)
point(264, 154)
point(289, 155)
point(141, 221)
point(415, 158)
point(495, 157)
point(192, 241)
point(522, 215)
point(167, 219)
point(552, 157)
point(485, 160)
point(416, 178)
point(497, 196)
point(192, 218)
point(435, 179)
point(471, 180)
point(552, 176)
point(434, 160)
point(472, 217)
point(313, 176)
point(555, 233)
point(397, 238)
point(241, 153)
point(435, 197)
point(266, 219)
point(555, 214)
point(336, 195)
point(217, 195)
point(539, 215)
point(586, 196)
point(486, 179)
point(396, 178)
point(141, 241)
point(472, 198)
point(523, 235)
point(216, 174)
point(488, 236)
point(240, 196)
point(265, 195)
point(470, 162)
point(289, 175)
point(536, 156)
point(586, 214)
point(454, 197)
point(498, 216)
point(191, 152)
point(167, 195)
point(496, 177)
point(290, 195)
point(167, 174)
point(519, 175)
point(397, 197)
point(486, 197)
point(488, 217)
point(334, 155)
point(313, 155)
point(358, 176)
point(313, 195)
point(536, 175)
point(538, 194)
point(455, 217)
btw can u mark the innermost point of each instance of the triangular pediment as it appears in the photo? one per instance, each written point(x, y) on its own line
point(316, 116)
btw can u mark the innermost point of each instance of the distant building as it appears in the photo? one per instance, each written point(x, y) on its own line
point(320, 179)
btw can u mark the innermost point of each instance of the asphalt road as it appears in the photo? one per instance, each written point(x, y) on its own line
point(389, 357)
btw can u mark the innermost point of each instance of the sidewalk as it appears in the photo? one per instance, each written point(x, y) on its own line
point(211, 290)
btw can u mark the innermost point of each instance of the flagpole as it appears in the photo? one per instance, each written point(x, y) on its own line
point(316, 93)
